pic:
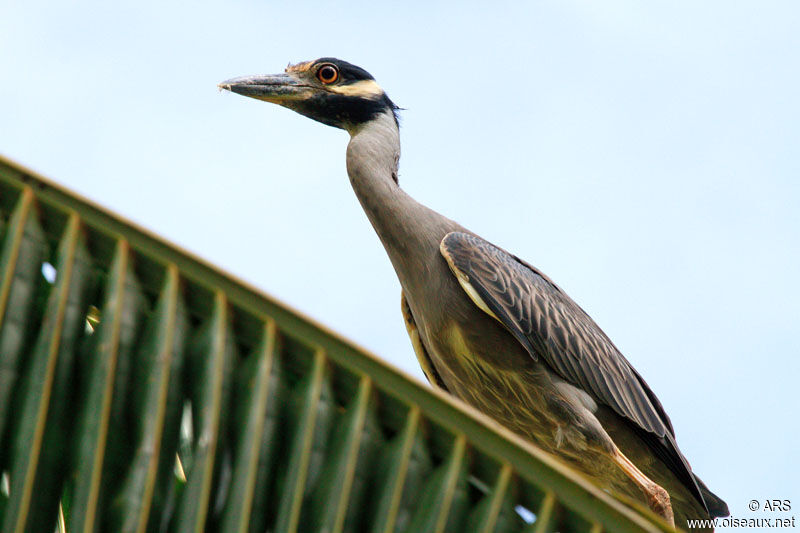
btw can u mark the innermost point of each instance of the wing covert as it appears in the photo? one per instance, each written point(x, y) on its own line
point(549, 324)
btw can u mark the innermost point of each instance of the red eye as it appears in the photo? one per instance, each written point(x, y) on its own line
point(328, 74)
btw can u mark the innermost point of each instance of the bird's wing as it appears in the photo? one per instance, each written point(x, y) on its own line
point(416, 341)
point(550, 325)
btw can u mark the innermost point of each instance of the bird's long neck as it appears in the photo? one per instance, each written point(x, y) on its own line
point(408, 230)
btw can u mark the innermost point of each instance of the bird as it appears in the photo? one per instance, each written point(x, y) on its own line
point(488, 327)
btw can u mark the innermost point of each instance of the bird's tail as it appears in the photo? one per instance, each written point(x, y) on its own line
point(716, 506)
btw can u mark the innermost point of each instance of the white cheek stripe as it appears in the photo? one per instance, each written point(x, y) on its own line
point(364, 88)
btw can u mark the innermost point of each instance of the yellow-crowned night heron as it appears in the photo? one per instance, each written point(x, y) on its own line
point(489, 327)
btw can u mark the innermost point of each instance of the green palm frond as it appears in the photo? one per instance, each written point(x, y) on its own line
point(142, 389)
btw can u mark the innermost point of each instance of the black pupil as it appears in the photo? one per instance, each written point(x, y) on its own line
point(327, 73)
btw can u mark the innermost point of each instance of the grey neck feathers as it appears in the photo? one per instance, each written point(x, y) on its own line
point(374, 148)
point(409, 231)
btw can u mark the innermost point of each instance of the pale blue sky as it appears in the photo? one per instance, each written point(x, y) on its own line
point(644, 155)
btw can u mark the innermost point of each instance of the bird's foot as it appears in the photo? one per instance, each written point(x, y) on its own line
point(657, 498)
point(659, 502)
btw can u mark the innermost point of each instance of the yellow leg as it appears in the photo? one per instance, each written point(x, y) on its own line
point(657, 497)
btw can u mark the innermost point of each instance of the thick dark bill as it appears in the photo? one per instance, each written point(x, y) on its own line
point(276, 88)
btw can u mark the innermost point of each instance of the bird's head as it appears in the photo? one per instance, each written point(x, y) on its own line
point(328, 90)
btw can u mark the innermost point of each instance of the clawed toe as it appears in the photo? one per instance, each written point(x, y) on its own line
point(659, 502)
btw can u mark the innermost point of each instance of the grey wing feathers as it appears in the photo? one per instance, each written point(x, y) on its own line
point(423, 357)
point(550, 325)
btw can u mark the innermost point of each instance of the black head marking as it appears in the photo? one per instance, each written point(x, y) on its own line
point(349, 72)
point(342, 109)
